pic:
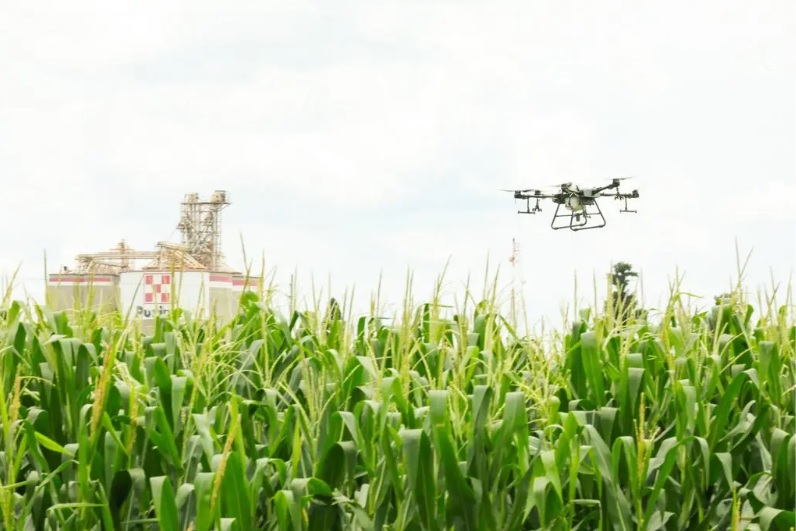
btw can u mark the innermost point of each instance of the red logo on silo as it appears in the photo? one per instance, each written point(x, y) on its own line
point(157, 288)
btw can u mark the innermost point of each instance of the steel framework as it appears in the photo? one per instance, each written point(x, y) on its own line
point(200, 248)
point(200, 226)
point(123, 258)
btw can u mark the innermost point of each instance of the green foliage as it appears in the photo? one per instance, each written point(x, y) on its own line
point(622, 302)
point(433, 422)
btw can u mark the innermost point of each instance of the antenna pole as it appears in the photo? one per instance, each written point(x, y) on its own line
point(516, 279)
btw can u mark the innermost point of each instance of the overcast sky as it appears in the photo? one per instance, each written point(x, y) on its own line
point(365, 138)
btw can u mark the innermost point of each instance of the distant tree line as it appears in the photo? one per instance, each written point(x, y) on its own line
point(623, 304)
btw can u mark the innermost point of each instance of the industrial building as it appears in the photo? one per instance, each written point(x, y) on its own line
point(191, 274)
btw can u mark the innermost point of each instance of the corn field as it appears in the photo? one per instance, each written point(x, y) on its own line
point(316, 420)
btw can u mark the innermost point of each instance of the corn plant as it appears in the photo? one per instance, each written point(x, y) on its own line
point(429, 421)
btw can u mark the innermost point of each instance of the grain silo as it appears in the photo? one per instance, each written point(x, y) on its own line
point(191, 274)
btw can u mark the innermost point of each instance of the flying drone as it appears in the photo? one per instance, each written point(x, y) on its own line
point(581, 209)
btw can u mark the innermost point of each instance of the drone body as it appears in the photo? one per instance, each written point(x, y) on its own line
point(580, 205)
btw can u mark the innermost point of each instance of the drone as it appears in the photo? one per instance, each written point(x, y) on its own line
point(581, 209)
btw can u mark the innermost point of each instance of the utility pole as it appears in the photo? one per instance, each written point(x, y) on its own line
point(516, 279)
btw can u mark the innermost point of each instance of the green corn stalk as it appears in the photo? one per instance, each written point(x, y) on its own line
point(439, 417)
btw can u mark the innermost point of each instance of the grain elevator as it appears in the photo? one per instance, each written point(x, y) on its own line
point(191, 274)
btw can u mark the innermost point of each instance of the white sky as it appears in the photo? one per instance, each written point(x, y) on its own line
point(359, 138)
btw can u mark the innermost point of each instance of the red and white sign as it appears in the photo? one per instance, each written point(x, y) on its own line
point(157, 288)
point(149, 293)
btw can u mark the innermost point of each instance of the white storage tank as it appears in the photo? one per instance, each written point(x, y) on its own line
point(65, 291)
point(221, 300)
point(239, 282)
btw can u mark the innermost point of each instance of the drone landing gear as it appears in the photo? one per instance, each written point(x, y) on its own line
point(579, 220)
point(528, 209)
point(626, 209)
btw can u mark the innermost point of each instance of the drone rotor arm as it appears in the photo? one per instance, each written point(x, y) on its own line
point(529, 193)
point(539, 195)
point(599, 189)
point(628, 195)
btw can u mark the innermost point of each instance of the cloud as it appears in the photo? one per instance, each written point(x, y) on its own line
point(375, 137)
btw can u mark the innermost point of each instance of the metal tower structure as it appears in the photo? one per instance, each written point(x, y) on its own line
point(200, 226)
point(123, 258)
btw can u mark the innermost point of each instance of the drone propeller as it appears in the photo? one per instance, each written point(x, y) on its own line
point(546, 190)
point(557, 186)
point(520, 191)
